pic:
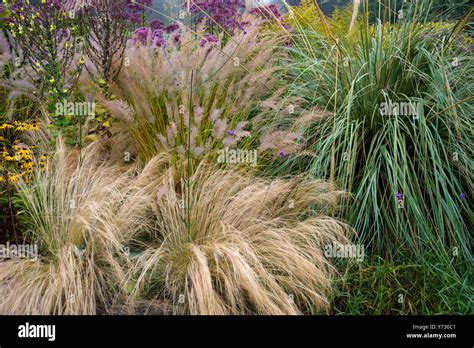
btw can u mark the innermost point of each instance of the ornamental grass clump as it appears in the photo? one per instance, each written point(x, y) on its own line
point(227, 242)
point(195, 95)
point(399, 136)
point(66, 210)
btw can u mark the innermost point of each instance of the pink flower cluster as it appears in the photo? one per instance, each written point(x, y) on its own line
point(281, 143)
point(206, 131)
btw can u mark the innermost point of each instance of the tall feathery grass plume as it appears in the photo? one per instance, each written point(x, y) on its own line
point(66, 210)
point(227, 242)
point(229, 78)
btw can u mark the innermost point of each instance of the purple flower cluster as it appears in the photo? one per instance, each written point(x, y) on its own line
point(224, 13)
point(142, 35)
point(172, 28)
point(135, 10)
point(157, 34)
point(156, 24)
point(267, 12)
point(208, 39)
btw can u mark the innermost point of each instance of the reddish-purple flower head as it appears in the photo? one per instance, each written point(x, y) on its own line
point(208, 39)
point(225, 14)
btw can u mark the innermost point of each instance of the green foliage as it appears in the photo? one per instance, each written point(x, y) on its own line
point(427, 286)
point(307, 17)
point(180, 128)
point(450, 8)
point(409, 174)
point(45, 36)
point(384, 102)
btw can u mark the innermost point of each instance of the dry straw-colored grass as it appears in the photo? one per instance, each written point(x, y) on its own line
point(67, 210)
point(224, 242)
point(245, 245)
point(230, 243)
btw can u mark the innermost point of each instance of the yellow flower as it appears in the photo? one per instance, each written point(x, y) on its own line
point(35, 127)
point(25, 127)
point(25, 154)
point(6, 126)
point(21, 127)
point(14, 179)
point(8, 158)
point(27, 166)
